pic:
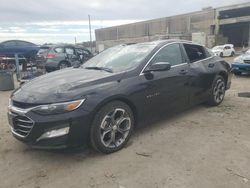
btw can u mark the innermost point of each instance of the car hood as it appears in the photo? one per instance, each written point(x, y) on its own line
point(245, 56)
point(64, 85)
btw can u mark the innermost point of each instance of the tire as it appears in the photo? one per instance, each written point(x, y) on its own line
point(218, 91)
point(221, 54)
point(112, 127)
point(12, 67)
point(63, 65)
point(232, 54)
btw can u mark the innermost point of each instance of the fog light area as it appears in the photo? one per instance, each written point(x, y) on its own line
point(54, 133)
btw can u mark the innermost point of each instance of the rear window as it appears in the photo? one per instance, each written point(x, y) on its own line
point(58, 50)
point(195, 52)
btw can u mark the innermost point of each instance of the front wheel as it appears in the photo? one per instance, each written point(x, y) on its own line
point(232, 54)
point(112, 127)
point(218, 91)
point(221, 54)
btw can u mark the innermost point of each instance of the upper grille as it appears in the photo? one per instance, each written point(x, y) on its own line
point(22, 125)
point(247, 61)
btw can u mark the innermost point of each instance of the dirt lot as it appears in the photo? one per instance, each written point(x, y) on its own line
point(203, 147)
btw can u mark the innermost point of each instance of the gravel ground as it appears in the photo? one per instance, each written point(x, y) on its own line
point(201, 147)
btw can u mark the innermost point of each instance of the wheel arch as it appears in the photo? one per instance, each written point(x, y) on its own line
point(124, 100)
point(224, 75)
point(64, 61)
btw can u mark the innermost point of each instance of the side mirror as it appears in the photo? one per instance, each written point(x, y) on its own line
point(160, 66)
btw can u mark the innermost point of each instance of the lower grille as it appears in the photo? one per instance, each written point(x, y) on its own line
point(247, 61)
point(22, 125)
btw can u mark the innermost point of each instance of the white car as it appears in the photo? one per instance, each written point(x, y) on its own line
point(224, 50)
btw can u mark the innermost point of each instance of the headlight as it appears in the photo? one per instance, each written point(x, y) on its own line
point(238, 60)
point(58, 108)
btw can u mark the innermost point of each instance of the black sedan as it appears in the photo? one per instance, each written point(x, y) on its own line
point(103, 100)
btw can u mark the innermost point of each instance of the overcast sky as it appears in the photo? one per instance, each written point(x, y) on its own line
point(43, 21)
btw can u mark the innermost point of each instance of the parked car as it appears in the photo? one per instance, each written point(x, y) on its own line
point(26, 51)
point(62, 56)
point(103, 100)
point(241, 64)
point(224, 50)
point(41, 55)
point(23, 48)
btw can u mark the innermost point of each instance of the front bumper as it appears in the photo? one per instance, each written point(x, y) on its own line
point(78, 122)
point(240, 67)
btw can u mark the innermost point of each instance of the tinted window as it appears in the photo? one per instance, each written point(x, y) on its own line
point(208, 52)
point(69, 51)
point(227, 47)
point(58, 50)
point(195, 52)
point(171, 54)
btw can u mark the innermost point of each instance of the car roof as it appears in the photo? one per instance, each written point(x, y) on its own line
point(164, 42)
point(17, 41)
point(68, 45)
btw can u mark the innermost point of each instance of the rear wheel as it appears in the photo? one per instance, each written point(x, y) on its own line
point(221, 54)
point(63, 65)
point(112, 127)
point(232, 54)
point(218, 91)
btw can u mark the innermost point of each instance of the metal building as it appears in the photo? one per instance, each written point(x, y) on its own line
point(211, 26)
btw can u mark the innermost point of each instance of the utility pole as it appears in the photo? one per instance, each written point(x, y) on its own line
point(90, 36)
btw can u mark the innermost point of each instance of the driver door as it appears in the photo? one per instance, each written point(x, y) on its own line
point(167, 90)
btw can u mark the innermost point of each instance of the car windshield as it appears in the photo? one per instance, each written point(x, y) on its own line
point(218, 48)
point(120, 58)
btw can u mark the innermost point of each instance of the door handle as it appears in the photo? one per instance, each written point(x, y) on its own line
point(183, 71)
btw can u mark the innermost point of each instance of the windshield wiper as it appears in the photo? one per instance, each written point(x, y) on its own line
point(100, 68)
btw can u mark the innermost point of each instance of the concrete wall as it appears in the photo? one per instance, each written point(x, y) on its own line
point(180, 26)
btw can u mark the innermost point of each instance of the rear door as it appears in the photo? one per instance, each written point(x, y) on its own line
point(167, 90)
point(201, 72)
point(227, 50)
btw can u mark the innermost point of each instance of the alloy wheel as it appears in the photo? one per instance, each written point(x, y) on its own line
point(115, 128)
point(219, 91)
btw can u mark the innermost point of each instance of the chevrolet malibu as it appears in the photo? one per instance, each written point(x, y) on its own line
point(101, 102)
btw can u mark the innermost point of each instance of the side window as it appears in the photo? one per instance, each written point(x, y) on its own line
point(58, 50)
point(227, 48)
point(208, 52)
point(69, 51)
point(171, 54)
point(195, 52)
